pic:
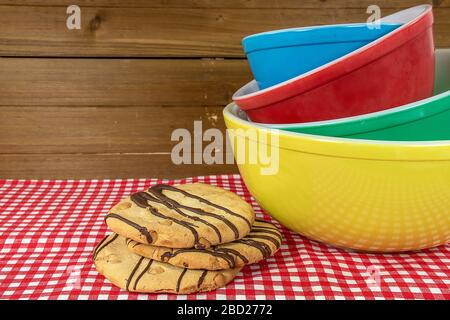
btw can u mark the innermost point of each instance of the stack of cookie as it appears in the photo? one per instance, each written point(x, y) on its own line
point(182, 239)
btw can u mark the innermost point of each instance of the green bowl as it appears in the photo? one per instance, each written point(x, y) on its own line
point(423, 120)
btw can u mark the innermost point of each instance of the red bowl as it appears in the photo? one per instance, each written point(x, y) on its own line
point(394, 70)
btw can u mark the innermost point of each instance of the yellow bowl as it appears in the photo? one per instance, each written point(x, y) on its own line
point(359, 194)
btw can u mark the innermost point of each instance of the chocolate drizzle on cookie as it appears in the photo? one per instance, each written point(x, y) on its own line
point(130, 277)
point(179, 279)
point(261, 246)
point(266, 225)
point(217, 254)
point(232, 252)
point(102, 245)
point(161, 187)
point(201, 278)
point(268, 238)
point(142, 230)
point(157, 191)
point(171, 204)
point(155, 194)
point(147, 267)
point(141, 200)
point(266, 230)
point(135, 244)
point(229, 254)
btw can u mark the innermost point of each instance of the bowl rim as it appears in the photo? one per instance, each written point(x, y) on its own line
point(410, 17)
point(368, 116)
point(437, 150)
point(321, 35)
point(375, 116)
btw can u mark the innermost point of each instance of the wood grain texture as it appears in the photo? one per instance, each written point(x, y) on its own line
point(125, 82)
point(241, 4)
point(173, 30)
point(100, 166)
point(69, 111)
point(41, 129)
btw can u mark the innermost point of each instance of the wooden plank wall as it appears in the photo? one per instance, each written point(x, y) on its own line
point(101, 102)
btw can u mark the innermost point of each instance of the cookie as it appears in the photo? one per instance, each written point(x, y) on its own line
point(183, 216)
point(263, 241)
point(134, 273)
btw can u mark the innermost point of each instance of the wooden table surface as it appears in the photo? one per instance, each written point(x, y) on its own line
point(102, 101)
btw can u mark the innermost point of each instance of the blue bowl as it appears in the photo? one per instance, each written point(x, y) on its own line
point(277, 56)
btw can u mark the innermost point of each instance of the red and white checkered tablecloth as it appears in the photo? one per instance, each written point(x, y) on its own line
point(48, 230)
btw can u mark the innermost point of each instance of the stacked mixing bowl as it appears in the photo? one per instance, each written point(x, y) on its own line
point(362, 145)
